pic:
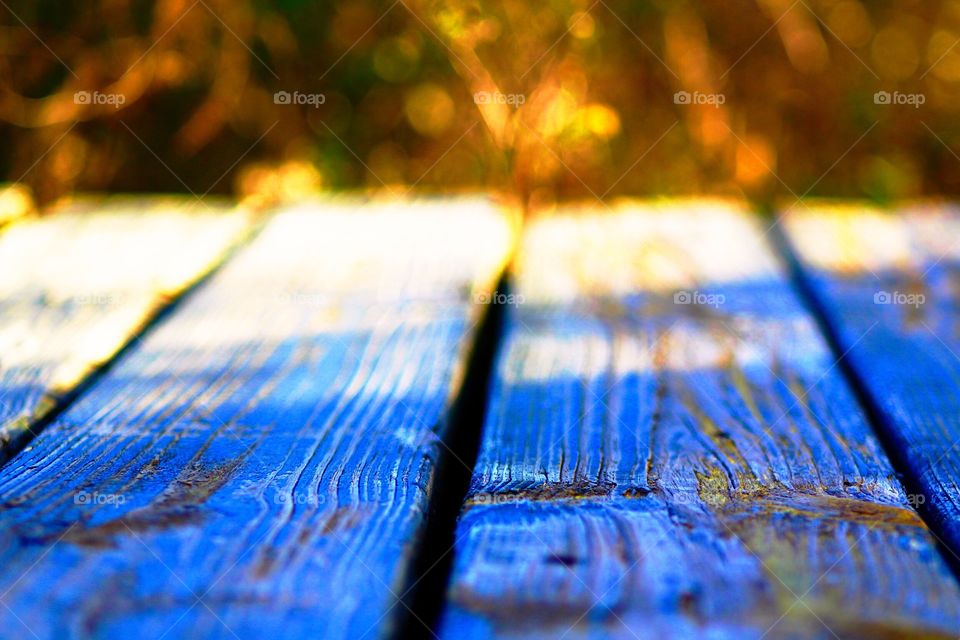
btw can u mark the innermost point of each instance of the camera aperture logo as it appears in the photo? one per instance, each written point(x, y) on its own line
point(495, 97)
point(96, 98)
point(115, 500)
point(896, 98)
point(296, 98)
point(515, 299)
point(899, 298)
point(699, 298)
point(698, 98)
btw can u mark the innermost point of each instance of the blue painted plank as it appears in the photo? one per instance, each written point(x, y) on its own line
point(670, 452)
point(81, 282)
point(889, 283)
point(260, 465)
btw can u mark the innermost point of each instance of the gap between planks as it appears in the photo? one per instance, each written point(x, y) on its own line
point(432, 565)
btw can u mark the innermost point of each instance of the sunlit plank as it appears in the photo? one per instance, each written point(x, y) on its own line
point(271, 446)
point(671, 451)
point(853, 238)
point(664, 248)
point(889, 286)
point(79, 282)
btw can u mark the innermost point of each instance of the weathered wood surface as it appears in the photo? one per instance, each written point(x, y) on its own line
point(259, 465)
point(77, 285)
point(651, 469)
point(889, 285)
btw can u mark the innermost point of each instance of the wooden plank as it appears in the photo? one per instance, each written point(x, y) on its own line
point(889, 283)
point(261, 464)
point(674, 467)
point(78, 284)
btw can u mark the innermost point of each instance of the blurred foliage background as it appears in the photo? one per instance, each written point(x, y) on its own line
point(580, 96)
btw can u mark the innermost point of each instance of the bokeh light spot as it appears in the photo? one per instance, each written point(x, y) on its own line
point(429, 109)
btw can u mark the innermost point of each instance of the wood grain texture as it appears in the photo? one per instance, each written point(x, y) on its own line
point(694, 466)
point(78, 284)
point(259, 466)
point(889, 284)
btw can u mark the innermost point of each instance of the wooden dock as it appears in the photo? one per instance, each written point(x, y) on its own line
point(360, 418)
